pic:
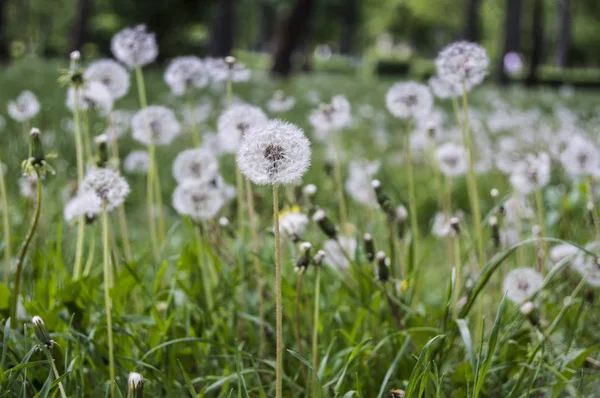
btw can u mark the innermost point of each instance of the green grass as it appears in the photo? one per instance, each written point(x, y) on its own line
point(372, 337)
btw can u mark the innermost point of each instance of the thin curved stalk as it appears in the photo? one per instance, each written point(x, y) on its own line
point(539, 204)
point(412, 200)
point(23, 251)
point(297, 319)
point(61, 388)
point(107, 300)
point(80, 173)
point(279, 299)
point(87, 140)
point(5, 225)
point(315, 332)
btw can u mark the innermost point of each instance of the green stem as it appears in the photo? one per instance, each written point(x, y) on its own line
point(204, 274)
point(239, 185)
point(55, 371)
point(150, 202)
point(458, 265)
point(107, 299)
point(339, 181)
point(192, 109)
point(6, 225)
point(90, 257)
point(23, 251)
point(159, 205)
point(139, 78)
point(315, 332)
point(80, 174)
point(412, 198)
point(539, 204)
point(593, 210)
point(279, 298)
point(87, 141)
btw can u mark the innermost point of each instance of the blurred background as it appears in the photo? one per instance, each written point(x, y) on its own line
point(550, 42)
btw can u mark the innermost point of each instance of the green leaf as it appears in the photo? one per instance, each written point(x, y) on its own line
point(188, 381)
point(416, 374)
point(354, 353)
point(4, 297)
point(392, 367)
point(465, 334)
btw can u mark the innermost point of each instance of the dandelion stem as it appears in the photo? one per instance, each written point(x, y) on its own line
point(107, 299)
point(159, 204)
point(297, 318)
point(412, 199)
point(339, 181)
point(239, 185)
point(150, 201)
point(315, 331)
point(61, 388)
point(592, 203)
point(206, 280)
point(139, 78)
point(279, 299)
point(80, 172)
point(23, 251)
point(192, 110)
point(539, 204)
point(87, 141)
point(5, 225)
point(458, 281)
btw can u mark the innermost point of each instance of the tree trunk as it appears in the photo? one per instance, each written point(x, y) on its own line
point(537, 36)
point(268, 16)
point(79, 28)
point(563, 42)
point(221, 30)
point(349, 26)
point(290, 34)
point(512, 34)
point(472, 26)
point(4, 54)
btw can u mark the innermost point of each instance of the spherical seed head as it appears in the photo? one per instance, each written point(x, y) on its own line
point(368, 237)
point(521, 283)
point(134, 46)
point(223, 221)
point(155, 125)
point(137, 162)
point(35, 132)
point(185, 73)
point(84, 204)
point(309, 190)
point(199, 201)
point(494, 193)
point(135, 380)
point(24, 108)
point(409, 100)
point(444, 89)
point(195, 164)
point(527, 308)
point(93, 96)
point(75, 55)
point(110, 73)
point(580, 157)
point(275, 154)
point(452, 159)
point(235, 122)
point(462, 63)
point(107, 185)
point(532, 173)
point(330, 117)
point(401, 213)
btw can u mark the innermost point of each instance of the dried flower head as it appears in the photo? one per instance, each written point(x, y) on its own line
point(110, 73)
point(235, 122)
point(137, 162)
point(93, 96)
point(409, 100)
point(462, 63)
point(337, 252)
point(155, 125)
point(277, 153)
point(134, 46)
point(195, 164)
point(185, 73)
point(199, 201)
point(107, 184)
point(85, 204)
point(452, 159)
point(521, 283)
point(24, 108)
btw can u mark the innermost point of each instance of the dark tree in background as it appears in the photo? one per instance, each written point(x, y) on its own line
point(268, 19)
point(4, 55)
point(472, 25)
point(291, 32)
point(512, 34)
point(537, 41)
point(80, 24)
point(221, 29)
point(349, 26)
point(563, 10)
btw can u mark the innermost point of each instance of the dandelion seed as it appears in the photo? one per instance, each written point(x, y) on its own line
point(235, 122)
point(531, 174)
point(521, 283)
point(195, 164)
point(331, 117)
point(107, 184)
point(335, 255)
point(134, 46)
point(86, 204)
point(462, 63)
point(137, 162)
point(186, 73)
point(277, 153)
point(93, 96)
point(452, 159)
point(199, 201)
point(155, 125)
point(110, 73)
point(292, 223)
point(24, 108)
point(409, 100)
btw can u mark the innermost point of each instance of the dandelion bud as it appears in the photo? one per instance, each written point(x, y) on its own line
point(39, 327)
point(319, 257)
point(531, 312)
point(101, 144)
point(37, 150)
point(309, 190)
point(325, 224)
point(136, 385)
point(369, 247)
point(75, 56)
point(304, 259)
point(495, 231)
point(401, 216)
point(536, 231)
point(384, 201)
point(383, 266)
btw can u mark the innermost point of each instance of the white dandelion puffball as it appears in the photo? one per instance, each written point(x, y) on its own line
point(444, 89)
point(409, 100)
point(202, 112)
point(28, 186)
point(580, 157)
point(561, 252)
point(277, 153)
point(531, 174)
point(337, 252)
point(185, 73)
point(280, 103)
point(137, 162)
point(442, 226)
point(199, 201)
point(93, 96)
point(292, 223)
point(452, 159)
point(235, 122)
point(24, 108)
point(110, 73)
point(85, 204)
point(358, 185)
point(521, 283)
point(107, 184)
point(220, 71)
point(587, 266)
point(462, 63)
point(195, 164)
point(134, 46)
point(155, 125)
point(228, 192)
point(331, 117)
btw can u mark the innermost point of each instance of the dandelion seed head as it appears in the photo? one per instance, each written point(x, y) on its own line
point(220, 71)
point(137, 162)
point(521, 283)
point(110, 73)
point(335, 256)
point(199, 201)
point(409, 100)
point(235, 122)
point(185, 73)
point(531, 174)
point(277, 153)
point(561, 252)
point(93, 96)
point(462, 63)
point(588, 266)
point(333, 116)
point(452, 159)
point(85, 204)
point(134, 46)
point(292, 223)
point(309, 190)
point(358, 185)
point(135, 380)
point(107, 185)
point(280, 103)
point(195, 164)
point(444, 89)
point(580, 157)
point(24, 108)
point(119, 123)
point(156, 125)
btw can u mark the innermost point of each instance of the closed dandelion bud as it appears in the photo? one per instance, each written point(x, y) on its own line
point(369, 247)
point(384, 201)
point(75, 56)
point(224, 221)
point(37, 150)
point(325, 224)
point(531, 312)
point(304, 259)
point(318, 258)
point(136, 385)
point(383, 266)
point(75, 75)
point(39, 327)
point(230, 61)
point(309, 190)
point(401, 216)
point(495, 231)
point(102, 147)
point(590, 209)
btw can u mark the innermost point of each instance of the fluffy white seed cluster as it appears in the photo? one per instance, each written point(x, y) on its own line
point(409, 100)
point(337, 252)
point(86, 204)
point(277, 153)
point(531, 174)
point(24, 108)
point(443, 89)
point(235, 122)
point(185, 73)
point(134, 46)
point(199, 201)
point(94, 96)
point(119, 122)
point(587, 266)
point(197, 164)
point(280, 103)
point(220, 71)
point(462, 64)
point(521, 283)
point(452, 159)
point(155, 125)
point(110, 73)
point(137, 162)
point(292, 224)
point(580, 157)
point(107, 185)
point(358, 185)
point(331, 117)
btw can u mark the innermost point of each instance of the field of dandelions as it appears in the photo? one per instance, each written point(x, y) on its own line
point(197, 229)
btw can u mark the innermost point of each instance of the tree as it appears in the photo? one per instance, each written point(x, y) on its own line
point(472, 26)
point(80, 24)
point(4, 55)
point(563, 42)
point(350, 22)
point(290, 34)
point(512, 34)
point(221, 29)
point(268, 17)
point(537, 45)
